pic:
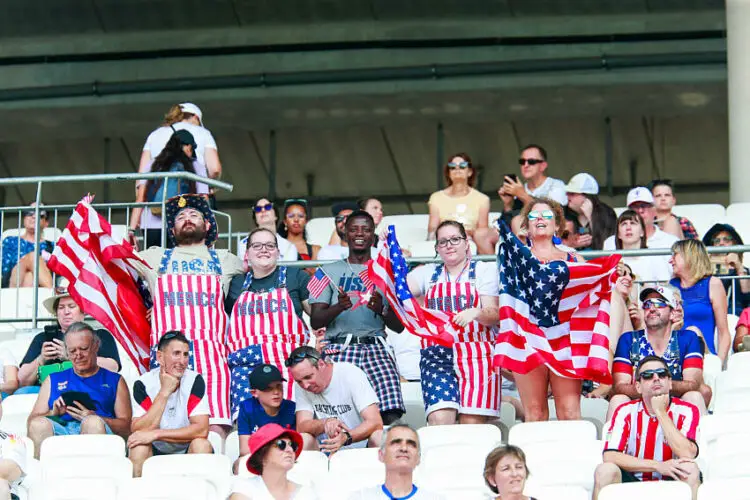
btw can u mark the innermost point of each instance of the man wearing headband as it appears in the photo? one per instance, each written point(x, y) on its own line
point(18, 259)
point(188, 284)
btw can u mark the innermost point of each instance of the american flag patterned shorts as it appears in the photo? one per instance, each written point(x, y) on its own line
point(380, 368)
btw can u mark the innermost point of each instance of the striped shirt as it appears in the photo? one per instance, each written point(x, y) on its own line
point(634, 432)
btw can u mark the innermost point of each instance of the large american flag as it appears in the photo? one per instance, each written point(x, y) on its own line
point(388, 273)
point(102, 279)
point(555, 313)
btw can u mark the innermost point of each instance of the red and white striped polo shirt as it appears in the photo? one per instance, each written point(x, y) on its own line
point(635, 432)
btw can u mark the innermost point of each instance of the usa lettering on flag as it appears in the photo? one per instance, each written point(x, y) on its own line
point(318, 283)
point(555, 313)
point(102, 279)
point(388, 273)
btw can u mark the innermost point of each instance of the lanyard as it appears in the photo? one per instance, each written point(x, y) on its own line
point(391, 497)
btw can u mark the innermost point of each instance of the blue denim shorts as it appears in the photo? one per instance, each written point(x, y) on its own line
point(72, 428)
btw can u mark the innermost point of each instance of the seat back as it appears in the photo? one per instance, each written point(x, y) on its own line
point(558, 430)
point(19, 404)
point(415, 415)
point(319, 230)
point(703, 216)
point(214, 468)
point(359, 462)
point(74, 489)
point(115, 468)
point(488, 435)
point(84, 445)
point(725, 489)
point(166, 488)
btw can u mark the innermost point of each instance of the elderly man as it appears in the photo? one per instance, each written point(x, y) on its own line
point(681, 350)
point(84, 399)
point(652, 437)
point(400, 454)
point(336, 405)
point(188, 284)
point(170, 409)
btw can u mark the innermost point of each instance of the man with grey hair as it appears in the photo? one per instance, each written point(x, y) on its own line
point(84, 399)
point(400, 453)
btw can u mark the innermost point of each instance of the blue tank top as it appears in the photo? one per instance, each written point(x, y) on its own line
point(696, 302)
point(101, 386)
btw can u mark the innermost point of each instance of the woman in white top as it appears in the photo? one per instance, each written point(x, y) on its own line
point(631, 235)
point(273, 452)
point(457, 378)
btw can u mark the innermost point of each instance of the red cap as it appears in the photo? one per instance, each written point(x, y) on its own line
point(267, 434)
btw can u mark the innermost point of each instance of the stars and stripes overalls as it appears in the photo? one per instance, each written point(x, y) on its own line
point(460, 377)
point(190, 299)
point(263, 328)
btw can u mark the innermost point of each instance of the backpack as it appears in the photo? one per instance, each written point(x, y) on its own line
point(175, 187)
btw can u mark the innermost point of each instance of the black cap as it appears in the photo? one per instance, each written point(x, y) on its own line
point(186, 138)
point(344, 205)
point(262, 376)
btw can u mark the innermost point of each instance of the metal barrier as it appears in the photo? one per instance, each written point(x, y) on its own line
point(108, 210)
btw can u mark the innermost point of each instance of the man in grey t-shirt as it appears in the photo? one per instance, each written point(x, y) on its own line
point(355, 318)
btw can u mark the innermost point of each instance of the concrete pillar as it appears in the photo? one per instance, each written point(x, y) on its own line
point(738, 82)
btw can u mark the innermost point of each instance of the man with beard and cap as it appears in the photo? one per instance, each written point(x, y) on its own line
point(355, 317)
point(188, 284)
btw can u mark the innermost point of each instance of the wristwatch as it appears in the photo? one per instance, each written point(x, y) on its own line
point(348, 438)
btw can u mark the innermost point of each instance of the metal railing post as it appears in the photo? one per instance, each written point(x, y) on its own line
point(35, 252)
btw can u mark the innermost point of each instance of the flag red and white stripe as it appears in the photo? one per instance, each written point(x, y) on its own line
point(318, 282)
point(102, 279)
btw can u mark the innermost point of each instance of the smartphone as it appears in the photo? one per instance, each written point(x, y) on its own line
point(50, 333)
point(512, 176)
point(82, 397)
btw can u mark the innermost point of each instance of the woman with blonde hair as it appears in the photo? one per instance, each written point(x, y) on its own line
point(704, 297)
point(505, 473)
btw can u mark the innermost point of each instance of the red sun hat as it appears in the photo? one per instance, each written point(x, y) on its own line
point(268, 434)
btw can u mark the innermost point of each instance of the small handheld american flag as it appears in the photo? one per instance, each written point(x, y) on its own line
point(318, 283)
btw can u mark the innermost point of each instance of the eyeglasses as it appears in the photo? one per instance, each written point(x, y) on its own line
point(263, 208)
point(341, 218)
point(455, 240)
point(282, 444)
point(31, 213)
point(722, 239)
point(654, 304)
point(530, 161)
point(463, 165)
point(544, 214)
point(659, 372)
point(259, 246)
point(300, 357)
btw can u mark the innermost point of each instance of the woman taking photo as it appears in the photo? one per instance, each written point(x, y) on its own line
point(470, 289)
point(703, 296)
point(459, 202)
point(596, 219)
point(292, 227)
point(631, 235)
point(505, 473)
point(273, 452)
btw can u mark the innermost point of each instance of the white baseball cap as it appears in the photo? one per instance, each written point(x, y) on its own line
point(640, 193)
point(582, 183)
point(665, 292)
point(189, 107)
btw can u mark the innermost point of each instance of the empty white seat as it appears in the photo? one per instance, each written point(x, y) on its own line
point(703, 216)
point(409, 228)
point(422, 248)
point(732, 393)
point(564, 463)
point(446, 435)
point(727, 455)
point(456, 459)
point(84, 445)
point(20, 404)
point(594, 409)
point(216, 441)
point(15, 423)
point(453, 474)
point(360, 462)
point(319, 230)
point(415, 415)
point(74, 489)
point(232, 446)
point(739, 362)
point(18, 303)
point(333, 487)
point(661, 490)
point(725, 489)
point(115, 468)
point(167, 488)
point(540, 492)
point(214, 468)
point(558, 430)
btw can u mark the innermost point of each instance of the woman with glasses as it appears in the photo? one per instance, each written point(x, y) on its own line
point(459, 201)
point(265, 216)
point(292, 228)
point(703, 295)
point(266, 307)
point(274, 451)
point(729, 264)
point(631, 235)
point(458, 381)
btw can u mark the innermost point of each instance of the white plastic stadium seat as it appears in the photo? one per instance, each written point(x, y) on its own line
point(739, 363)
point(84, 445)
point(98, 467)
point(725, 489)
point(661, 490)
point(558, 430)
point(19, 303)
point(539, 492)
point(486, 435)
point(409, 228)
point(703, 216)
point(727, 455)
point(422, 248)
point(166, 488)
point(319, 230)
point(20, 404)
point(232, 446)
point(218, 444)
point(15, 423)
point(359, 462)
point(453, 475)
point(564, 463)
point(415, 416)
point(74, 489)
point(732, 393)
point(214, 468)
point(593, 409)
point(737, 217)
point(310, 467)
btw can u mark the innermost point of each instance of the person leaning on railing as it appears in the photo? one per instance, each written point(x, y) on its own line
point(729, 264)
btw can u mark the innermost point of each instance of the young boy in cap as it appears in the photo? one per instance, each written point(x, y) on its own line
point(266, 406)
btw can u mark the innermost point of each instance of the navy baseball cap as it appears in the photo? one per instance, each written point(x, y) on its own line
point(263, 375)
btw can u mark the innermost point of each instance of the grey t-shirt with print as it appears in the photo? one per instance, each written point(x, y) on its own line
point(358, 320)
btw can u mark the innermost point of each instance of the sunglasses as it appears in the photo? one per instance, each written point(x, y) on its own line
point(544, 214)
point(263, 208)
point(654, 304)
point(341, 218)
point(452, 241)
point(281, 444)
point(530, 161)
point(722, 239)
point(259, 246)
point(462, 165)
point(300, 357)
point(659, 372)
point(31, 213)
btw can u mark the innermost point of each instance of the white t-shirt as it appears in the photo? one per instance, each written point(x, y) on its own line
point(287, 250)
point(377, 493)
point(486, 278)
point(255, 489)
point(338, 252)
point(551, 188)
point(6, 359)
point(189, 400)
point(345, 398)
point(407, 349)
point(159, 138)
point(658, 265)
point(13, 448)
point(659, 239)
